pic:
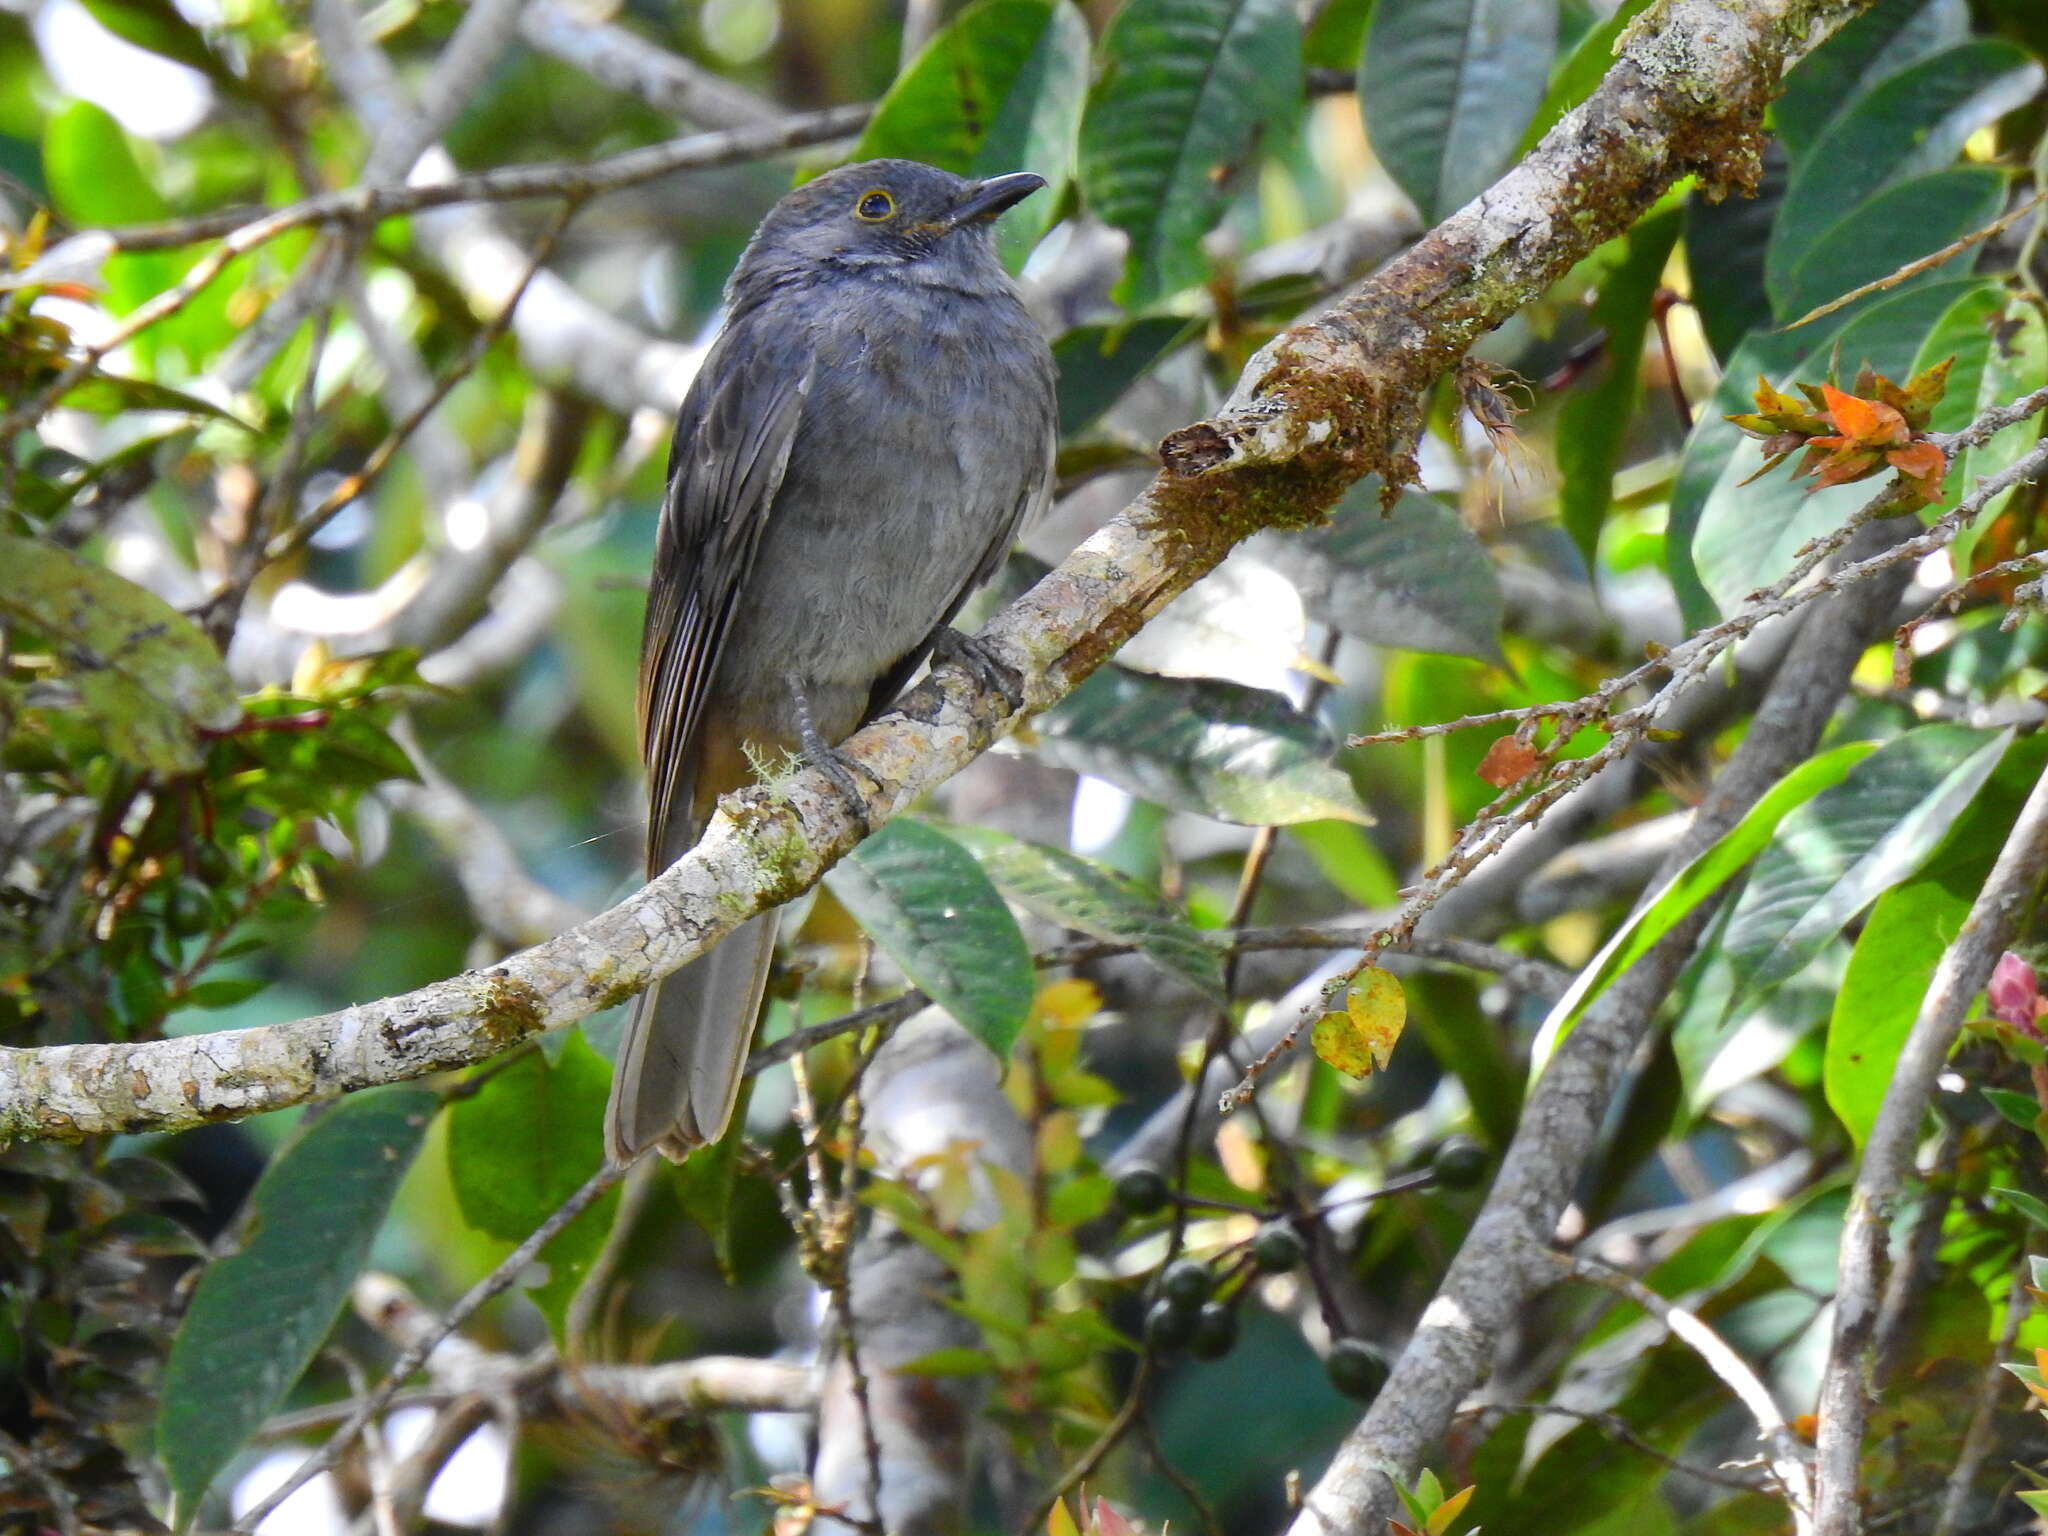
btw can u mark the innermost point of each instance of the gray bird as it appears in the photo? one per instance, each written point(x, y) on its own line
point(867, 433)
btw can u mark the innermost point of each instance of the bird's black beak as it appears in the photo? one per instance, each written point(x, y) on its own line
point(991, 197)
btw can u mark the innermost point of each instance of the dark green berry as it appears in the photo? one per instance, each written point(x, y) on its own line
point(212, 863)
point(1278, 1247)
point(1215, 1332)
point(1356, 1369)
point(189, 909)
point(1142, 1190)
point(1459, 1164)
point(1168, 1326)
point(1187, 1283)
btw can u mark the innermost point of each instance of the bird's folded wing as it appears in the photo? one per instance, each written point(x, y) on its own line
point(732, 444)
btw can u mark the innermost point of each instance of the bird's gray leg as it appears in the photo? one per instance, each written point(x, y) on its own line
point(951, 646)
point(830, 761)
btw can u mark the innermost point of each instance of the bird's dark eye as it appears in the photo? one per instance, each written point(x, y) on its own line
point(874, 206)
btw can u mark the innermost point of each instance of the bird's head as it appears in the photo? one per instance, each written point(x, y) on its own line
point(887, 215)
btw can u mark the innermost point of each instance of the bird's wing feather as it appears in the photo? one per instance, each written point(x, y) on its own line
point(732, 444)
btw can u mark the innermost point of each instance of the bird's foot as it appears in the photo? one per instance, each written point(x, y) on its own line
point(828, 760)
point(992, 674)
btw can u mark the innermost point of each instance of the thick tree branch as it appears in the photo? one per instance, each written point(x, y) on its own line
point(1325, 403)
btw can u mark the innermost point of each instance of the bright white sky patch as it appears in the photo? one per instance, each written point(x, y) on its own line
point(147, 93)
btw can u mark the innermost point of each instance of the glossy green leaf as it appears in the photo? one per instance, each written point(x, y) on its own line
point(144, 672)
point(2030, 1206)
point(1901, 224)
point(523, 1143)
point(1904, 937)
point(1885, 39)
point(923, 899)
point(1418, 578)
point(161, 27)
point(1336, 36)
point(257, 1316)
point(999, 88)
point(1846, 847)
point(2000, 347)
point(1597, 415)
point(1096, 900)
point(1098, 363)
point(105, 394)
point(94, 176)
point(2020, 1109)
point(1702, 876)
point(1447, 88)
point(1184, 93)
point(1746, 536)
point(1910, 123)
point(1192, 744)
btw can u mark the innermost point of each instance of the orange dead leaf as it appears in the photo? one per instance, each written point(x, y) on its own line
point(1923, 466)
point(1870, 423)
point(1508, 761)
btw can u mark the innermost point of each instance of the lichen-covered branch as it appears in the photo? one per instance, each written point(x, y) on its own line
point(1325, 403)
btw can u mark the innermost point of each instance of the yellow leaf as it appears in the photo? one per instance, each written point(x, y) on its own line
point(1060, 1523)
point(1069, 1003)
point(1360, 1040)
point(1441, 1517)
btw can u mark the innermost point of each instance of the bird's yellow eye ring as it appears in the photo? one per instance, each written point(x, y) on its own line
point(873, 206)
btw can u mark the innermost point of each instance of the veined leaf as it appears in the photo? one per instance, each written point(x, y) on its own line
point(1700, 879)
point(1846, 847)
point(257, 1315)
point(1418, 579)
point(1447, 87)
point(1900, 224)
point(925, 901)
point(1185, 90)
point(1910, 123)
point(524, 1143)
point(1081, 894)
point(1889, 37)
point(143, 670)
point(1098, 363)
point(1215, 749)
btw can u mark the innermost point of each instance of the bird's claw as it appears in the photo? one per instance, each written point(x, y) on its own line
point(828, 760)
point(991, 673)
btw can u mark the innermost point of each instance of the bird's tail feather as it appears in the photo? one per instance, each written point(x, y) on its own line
point(685, 1042)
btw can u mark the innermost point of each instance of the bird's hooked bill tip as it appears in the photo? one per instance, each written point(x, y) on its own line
point(994, 195)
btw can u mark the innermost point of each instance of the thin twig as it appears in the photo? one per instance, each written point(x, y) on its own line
point(1786, 1455)
point(1928, 263)
point(497, 1281)
point(1615, 1427)
point(26, 1463)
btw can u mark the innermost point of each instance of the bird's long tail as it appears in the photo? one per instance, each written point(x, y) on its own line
point(685, 1042)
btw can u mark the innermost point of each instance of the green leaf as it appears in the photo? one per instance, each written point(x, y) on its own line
point(523, 1143)
point(2020, 1109)
point(1195, 744)
point(705, 1180)
point(1904, 939)
point(257, 1316)
point(924, 900)
point(1184, 91)
point(999, 89)
point(1081, 894)
point(1702, 876)
point(1597, 415)
point(2000, 347)
point(159, 26)
point(95, 179)
point(1900, 224)
point(1447, 87)
point(1846, 847)
point(1885, 39)
point(225, 991)
point(107, 395)
point(144, 672)
point(1913, 122)
point(1742, 537)
point(1098, 363)
point(1336, 35)
point(1418, 578)
point(2027, 1205)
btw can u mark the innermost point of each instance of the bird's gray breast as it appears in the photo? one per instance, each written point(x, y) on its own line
point(925, 434)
